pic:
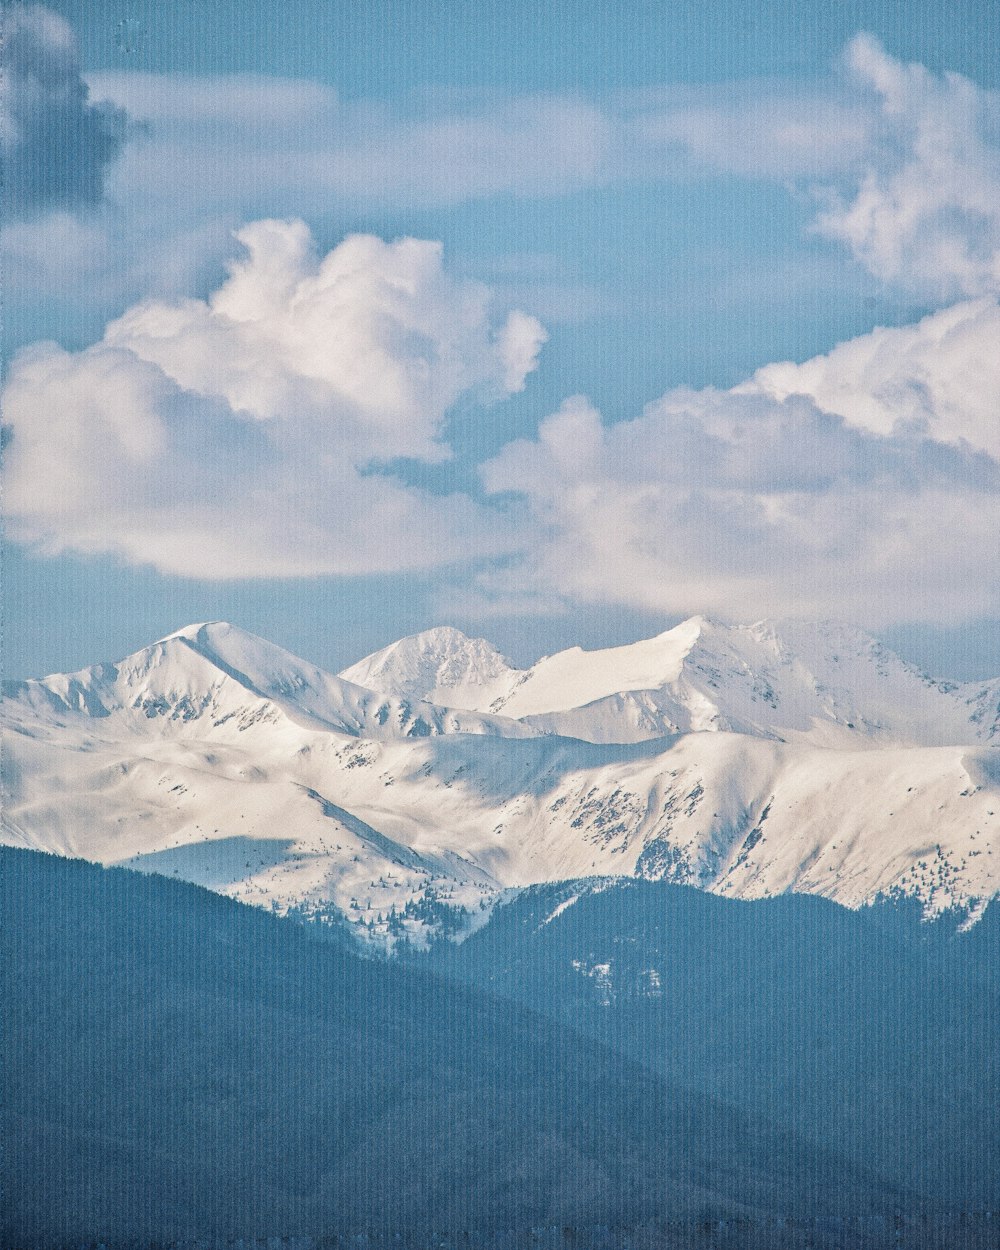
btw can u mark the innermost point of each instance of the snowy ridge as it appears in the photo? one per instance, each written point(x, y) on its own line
point(216, 672)
point(829, 683)
point(814, 760)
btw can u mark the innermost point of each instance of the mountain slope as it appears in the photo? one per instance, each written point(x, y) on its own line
point(180, 1067)
point(869, 1031)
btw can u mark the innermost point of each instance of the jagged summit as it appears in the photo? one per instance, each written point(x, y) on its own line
point(441, 665)
point(828, 682)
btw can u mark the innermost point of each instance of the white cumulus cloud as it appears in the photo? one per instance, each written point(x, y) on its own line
point(940, 377)
point(925, 212)
point(904, 164)
point(241, 435)
point(863, 484)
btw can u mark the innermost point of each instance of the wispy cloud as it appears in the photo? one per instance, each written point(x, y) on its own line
point(904, 165)
point(240, 135)
point(899, 166)
point(768, 129)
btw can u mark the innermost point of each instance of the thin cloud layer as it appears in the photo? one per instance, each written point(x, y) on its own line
point(864, 484)
point(271, 137)
point(902, 165)
point(241, 436)
point(55, 145)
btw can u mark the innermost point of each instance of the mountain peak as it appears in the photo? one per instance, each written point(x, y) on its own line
point(232, 651)
point(198, 629)
point(441, 664)
point(444, 634)
point(215, 638)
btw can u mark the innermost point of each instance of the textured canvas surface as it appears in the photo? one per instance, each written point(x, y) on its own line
point(501, 710)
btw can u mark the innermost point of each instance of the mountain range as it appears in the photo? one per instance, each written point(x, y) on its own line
point(693, 997)
point(411, 792)
point(182, 1070)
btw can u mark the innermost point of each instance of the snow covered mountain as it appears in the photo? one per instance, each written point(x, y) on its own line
point(441, 665)
point(217, 673)
point(826, 682)
point(737, 759)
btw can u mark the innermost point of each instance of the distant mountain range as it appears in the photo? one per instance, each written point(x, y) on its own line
point(826, 683)
point(408, 794)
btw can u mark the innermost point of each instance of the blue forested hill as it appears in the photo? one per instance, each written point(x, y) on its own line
point(181, 1066)
point(867, 1032)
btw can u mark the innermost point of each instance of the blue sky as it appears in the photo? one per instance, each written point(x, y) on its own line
point(526, 423)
